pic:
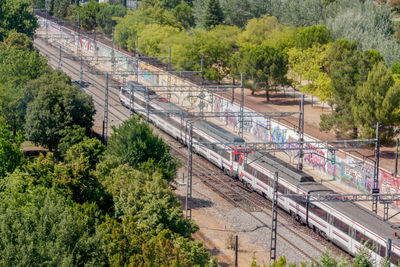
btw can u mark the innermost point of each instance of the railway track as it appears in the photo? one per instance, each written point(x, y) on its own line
point(92, 84)
point(249, 202)
point(233, 191)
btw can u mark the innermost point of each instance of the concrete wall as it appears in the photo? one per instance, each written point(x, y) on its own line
point(341, 166)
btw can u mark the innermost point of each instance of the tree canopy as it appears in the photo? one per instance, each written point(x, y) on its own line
point(213, 15)
point(58, 104)
point(17, 15)
point(135, 144)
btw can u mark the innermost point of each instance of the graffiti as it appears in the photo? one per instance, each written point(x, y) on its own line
point(342, 167)
point(230, 119)
point(260, 132)
point(277, 135)
point(316, 158)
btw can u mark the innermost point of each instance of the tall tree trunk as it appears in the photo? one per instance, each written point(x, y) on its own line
point(355, 132)
point(267, 90)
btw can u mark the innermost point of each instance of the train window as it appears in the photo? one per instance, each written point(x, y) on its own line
point(300, 200)
point(361, 238)
point(382, 250)
point(223, 153)
point(290, 191)
point(281, 189)
point(262, 177)
point(237, 157)
point(341, 225)
point(318, 211)
point(250, 169)
point(394, 258)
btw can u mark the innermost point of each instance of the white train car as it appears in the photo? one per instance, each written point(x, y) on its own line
point(345, 224)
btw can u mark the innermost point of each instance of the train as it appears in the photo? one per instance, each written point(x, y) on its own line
point(346, 224)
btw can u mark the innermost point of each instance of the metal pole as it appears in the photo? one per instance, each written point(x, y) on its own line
point(272, 252)
point(137, 58)
point(132, 101)
point(112, 51)
point(301, 133)
point(59, 57)
point(241, 119)
point(105, 120)
point(375, 189)
point(47, 32)
point(389, 249)
point(396, 163)
point(147, 105)
point(202, 71)
point(81, 72)
point(188, 209)
point(97, 50)
point(169, 58)
point(385, 210)
point(78, 48)
point(236, 250)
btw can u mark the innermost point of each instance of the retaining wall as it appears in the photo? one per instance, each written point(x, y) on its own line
point(341, 166)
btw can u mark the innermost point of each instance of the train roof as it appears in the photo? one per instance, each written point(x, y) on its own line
point(217, 132)
point(214, 130)
point(140, 87)
point(354, 212)
point(314, 188)
point(286, 171)
point(367, 219)
point(294, 176)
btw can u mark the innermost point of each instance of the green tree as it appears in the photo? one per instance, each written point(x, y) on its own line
point(70, 136)
point(265, 65)
point(259, 29)
point(215, 47)
point(18, 41)
point(58, 104)
point(299, 13)
point(76, 179)
point(237, 12)
point(309, 66)
point(17, 66)
point(60, 8)
point(88, 14)
point(10, 153)
point(395, 68)
point(316, 34)
point(153, 39)
point(106, 17)
point(366, 23)
point(89, 150)
point(377, 100)
point(17, 15)
point(43, 230)
point(183, 14)
point(343, 68)
point(39, 4)
point(135, 144)
point(213, 15)
point(368, 60)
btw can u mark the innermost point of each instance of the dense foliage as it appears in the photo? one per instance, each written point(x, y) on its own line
point(324, 48)
point(16, 15)
point(87, 205)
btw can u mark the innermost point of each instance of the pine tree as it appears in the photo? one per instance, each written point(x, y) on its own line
point(213, 15)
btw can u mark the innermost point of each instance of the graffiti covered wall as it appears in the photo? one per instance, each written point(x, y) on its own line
point(340, 166)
